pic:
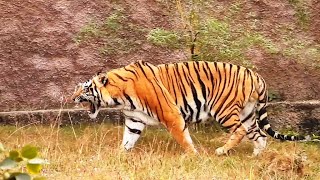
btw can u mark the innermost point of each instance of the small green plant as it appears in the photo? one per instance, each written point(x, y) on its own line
point(302, 12)
point(88, 31)
point(218, 41)
point(303, 16)
point(15, 162)
point(291, 132)
point(235, 8)
point(114, 35)
point(113, 21)
point(274, 96)
point(107, 28)
point(264, 42)
point(163, 38)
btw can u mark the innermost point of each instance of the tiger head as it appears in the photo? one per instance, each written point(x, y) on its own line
point(89, 95)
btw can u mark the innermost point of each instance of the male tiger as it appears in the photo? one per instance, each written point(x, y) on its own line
point(179, 93)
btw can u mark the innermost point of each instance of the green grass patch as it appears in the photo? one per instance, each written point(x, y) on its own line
point(164, 38)
point(301, 12)
point(114, 35)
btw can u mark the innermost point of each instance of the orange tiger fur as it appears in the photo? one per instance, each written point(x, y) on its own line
point(175, 94)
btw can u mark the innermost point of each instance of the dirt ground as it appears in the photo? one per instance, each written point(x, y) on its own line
point(41, 63)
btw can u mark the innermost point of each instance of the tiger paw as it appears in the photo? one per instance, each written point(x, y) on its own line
point(220, 151)
point(256, 152)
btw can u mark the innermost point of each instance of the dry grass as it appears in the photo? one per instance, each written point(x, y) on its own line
point(92, 152)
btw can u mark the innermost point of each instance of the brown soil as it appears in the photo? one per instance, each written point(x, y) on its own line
point(41, 63)
point(315, 23)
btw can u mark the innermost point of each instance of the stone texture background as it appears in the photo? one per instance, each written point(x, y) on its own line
point(40, 63)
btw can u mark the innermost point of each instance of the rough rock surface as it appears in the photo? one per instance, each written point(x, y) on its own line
point(40, 63)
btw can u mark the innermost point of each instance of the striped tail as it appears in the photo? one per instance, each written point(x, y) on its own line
point(265, 125)
point(263, 120)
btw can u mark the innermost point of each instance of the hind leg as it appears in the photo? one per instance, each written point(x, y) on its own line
point(238, 132)
point(259, 145)
point(254, 133)
point(258, 138)
point(181, 134)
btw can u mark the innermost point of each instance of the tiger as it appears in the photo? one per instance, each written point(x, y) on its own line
point(177, 94)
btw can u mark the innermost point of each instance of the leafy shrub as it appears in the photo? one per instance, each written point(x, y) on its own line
point(215, 41)
point(15, 161)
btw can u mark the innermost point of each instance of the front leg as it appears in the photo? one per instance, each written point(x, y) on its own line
point(132, 132)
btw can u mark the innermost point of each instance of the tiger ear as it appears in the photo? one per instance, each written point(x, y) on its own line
point(104, 79)
point(99, 75)
point(100, 79)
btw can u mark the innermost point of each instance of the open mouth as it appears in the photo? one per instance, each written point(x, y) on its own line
point(89, 107)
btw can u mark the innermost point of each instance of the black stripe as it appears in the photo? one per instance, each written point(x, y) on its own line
point(135, 131)
point(217, 95)
point(154, 89)
point(263, 123)
point(133, 72)
point(141, 103)
point(254, 136)
point(115, 86)
point(190, 77)
point(175, 77)
point(252, 127)
point(169, 77)
point(183, 113)
point(116, 101)
point(163, 93)
point(174, 89)
point(260, 136)
point(238, 126)
point(212, 84)
point(144, 73)
point(221, 93)
point(137, 121)
point(248, 117)
point(130, 101)
point(185, 78)
point(185, 74)
point(193, 90)
point(97, 98)
point(161, 74)
point(120, 77)
point(243, 83)
point(224, 119)
point(149, 112)
point(196, 100)
point(183, 91)
point(205, 69)
point(223, 103)
point(203, 88)
point(230, 73)
point(147, 64)
point(228, 127)
point(262, 111)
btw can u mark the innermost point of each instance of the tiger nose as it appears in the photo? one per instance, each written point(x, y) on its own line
point(69, 100)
